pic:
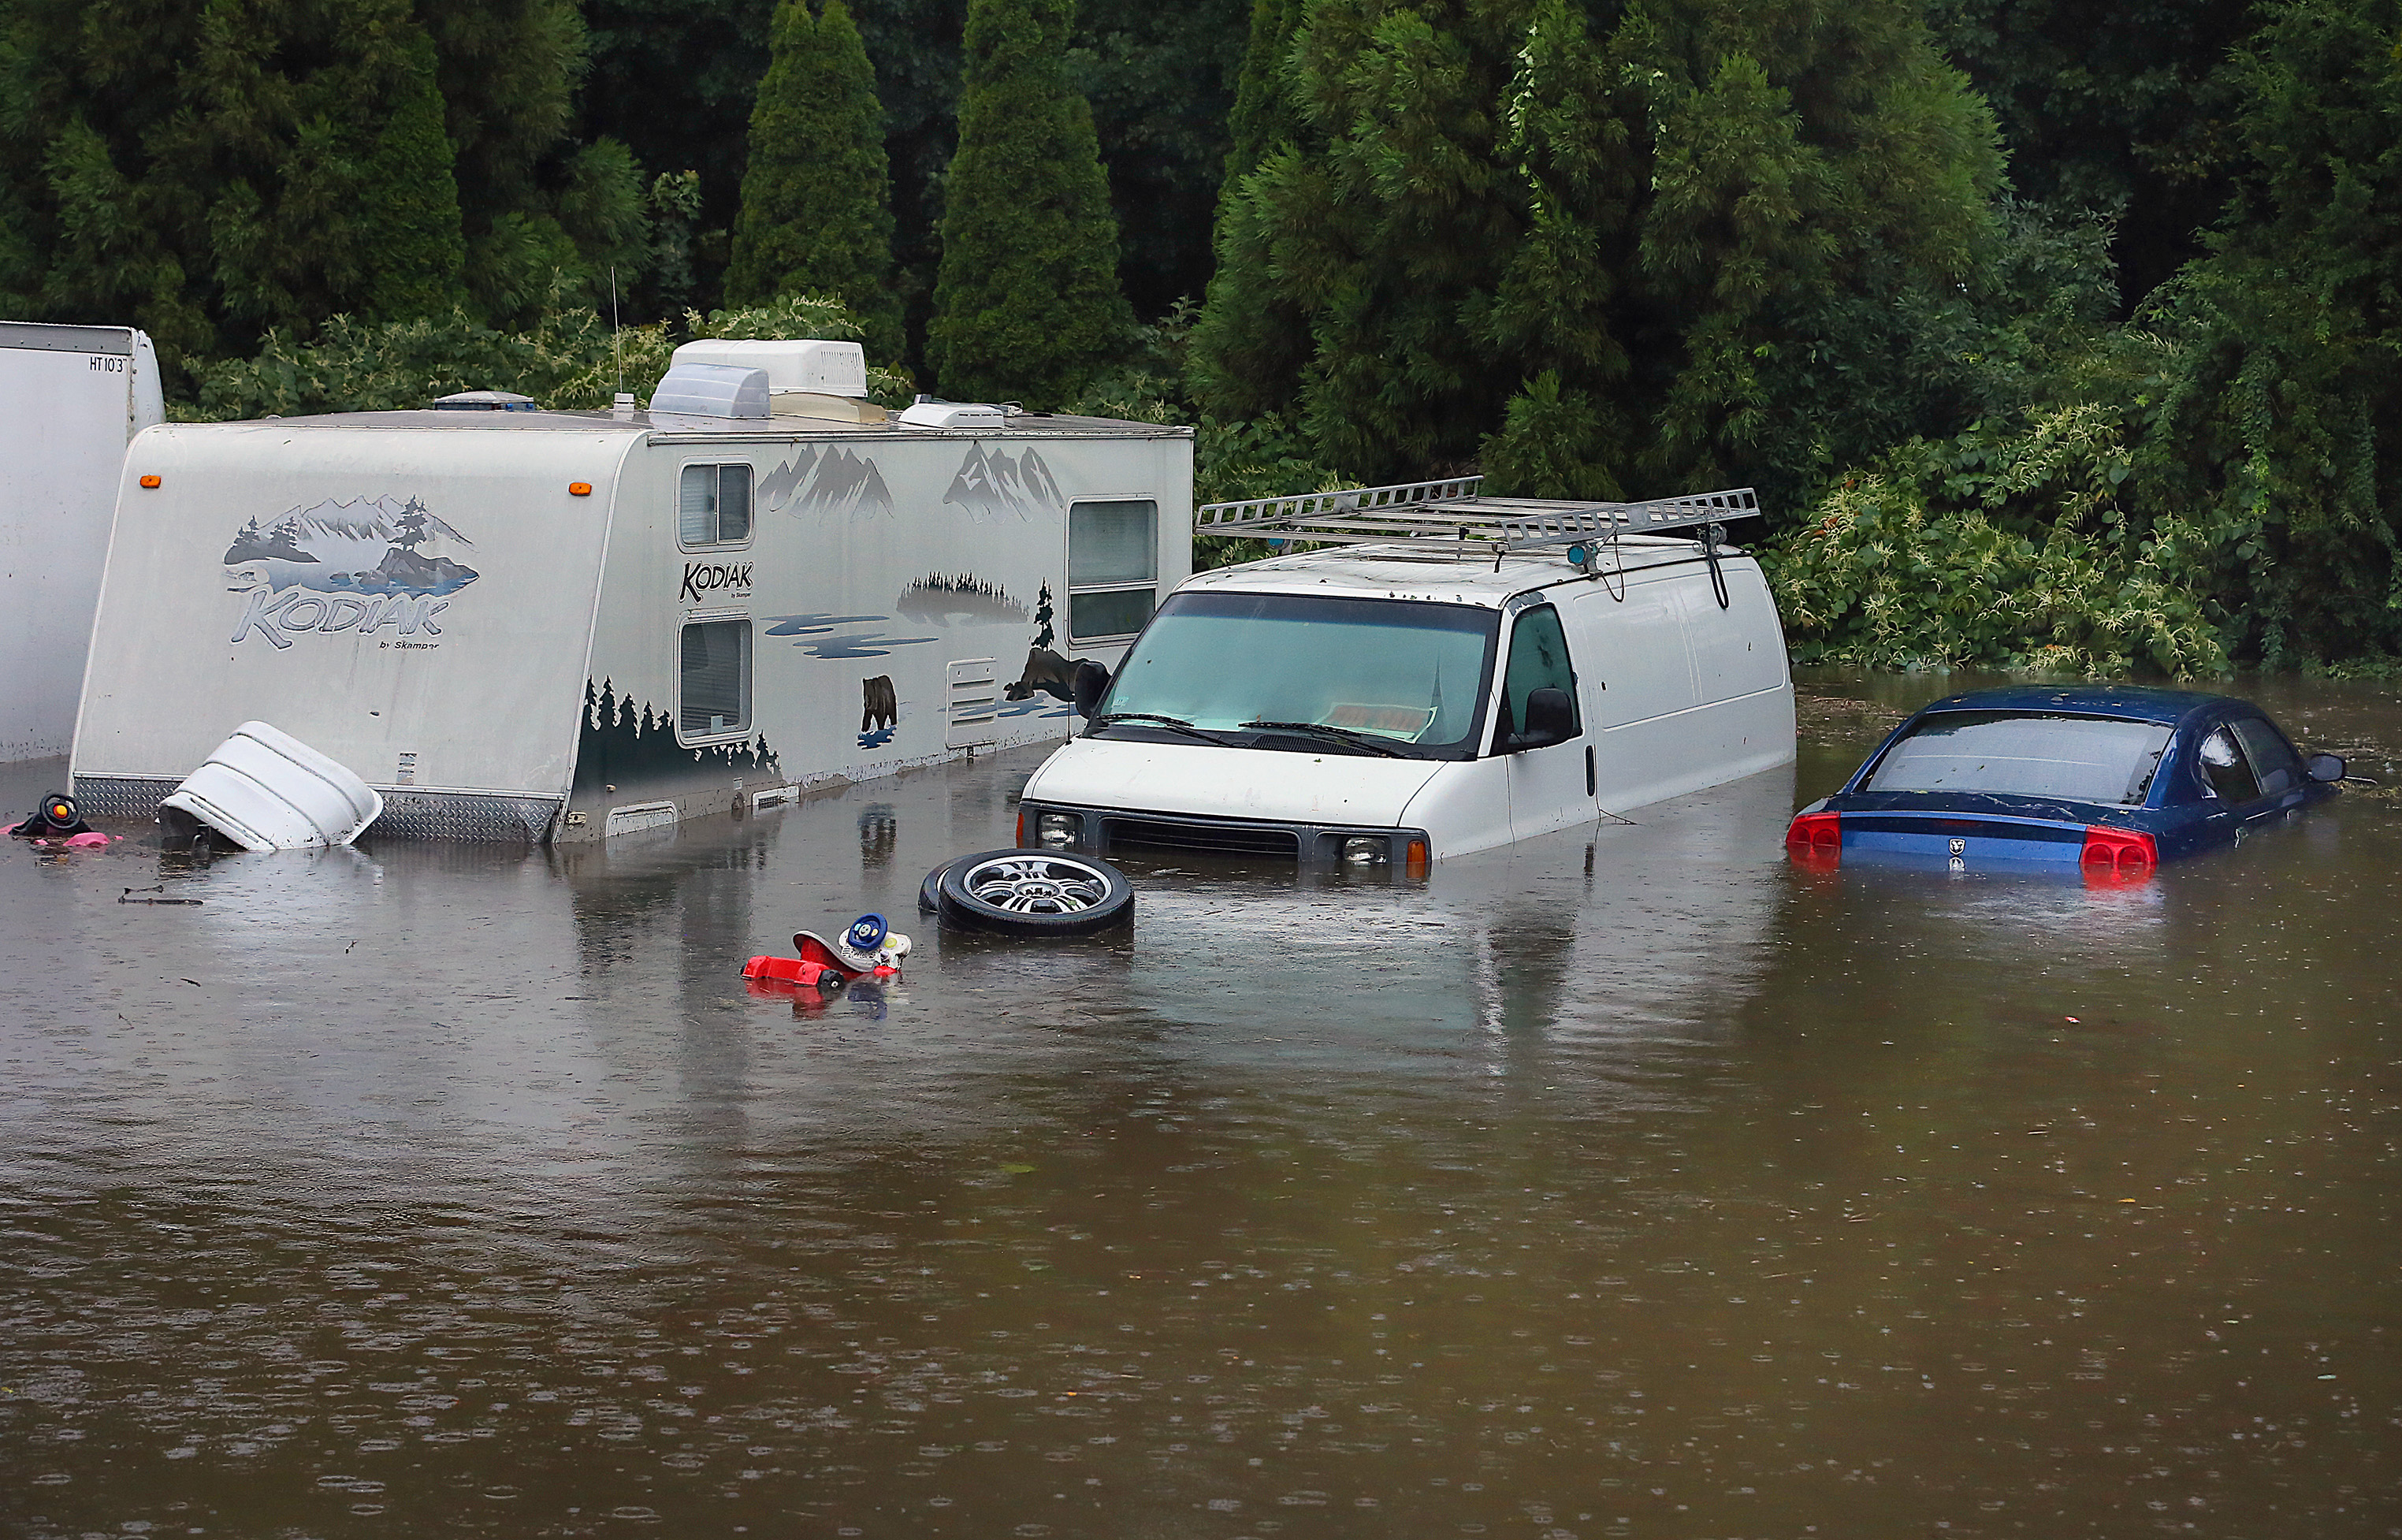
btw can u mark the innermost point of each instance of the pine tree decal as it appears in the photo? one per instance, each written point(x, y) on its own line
point(410, 525)
point(1042, 618)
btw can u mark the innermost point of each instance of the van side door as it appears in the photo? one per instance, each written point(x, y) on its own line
point(1538, 726)
point(1643, 692)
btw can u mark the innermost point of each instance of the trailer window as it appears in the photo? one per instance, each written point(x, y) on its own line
point(714, 506)
point(715, 679)
point(1112, 568)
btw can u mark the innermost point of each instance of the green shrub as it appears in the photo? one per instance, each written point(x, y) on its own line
point(1998, 550)
point(567, 359)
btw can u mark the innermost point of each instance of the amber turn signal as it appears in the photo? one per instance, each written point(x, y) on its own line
point(149, 480)
point(579, 488)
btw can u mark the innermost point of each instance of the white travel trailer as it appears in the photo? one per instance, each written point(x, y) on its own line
point(1441, 673)
point(71, 399)
point(517, 623)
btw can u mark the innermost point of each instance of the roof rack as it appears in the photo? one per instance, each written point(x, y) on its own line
point(1453, 514)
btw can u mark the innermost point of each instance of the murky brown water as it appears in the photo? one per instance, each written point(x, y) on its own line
point(1631, 1186)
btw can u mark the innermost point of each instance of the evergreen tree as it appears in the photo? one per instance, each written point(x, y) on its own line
point(2279, 391)
point(211, 173)
point(1631, 260)
point(1027, 303)
point(817, 197)
point(415, 248)
point(509, 72)
point(602, 208)
point(508, 69)
point(2119, 110)
point(675, 206)
point(1262, 116)
point(673, 80)
point(1252, 339)
point(1161, 80)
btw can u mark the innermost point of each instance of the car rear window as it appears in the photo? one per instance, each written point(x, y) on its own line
point(2079, 759)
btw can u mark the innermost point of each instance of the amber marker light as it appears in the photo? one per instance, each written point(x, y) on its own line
point(149, 480)
point(579, 488)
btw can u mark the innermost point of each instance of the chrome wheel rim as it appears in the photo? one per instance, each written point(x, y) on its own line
point(1036, 885)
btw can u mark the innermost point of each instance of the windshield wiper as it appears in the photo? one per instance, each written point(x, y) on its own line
point(1344, 735)
point(1153, 719)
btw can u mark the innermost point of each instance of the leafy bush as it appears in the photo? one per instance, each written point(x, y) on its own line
point(1999, 549)
point(568, 359)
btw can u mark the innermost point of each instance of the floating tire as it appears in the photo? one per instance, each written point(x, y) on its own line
point(1032, 893)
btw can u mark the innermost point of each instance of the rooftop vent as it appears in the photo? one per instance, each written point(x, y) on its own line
point(931, 413)
point(486, 400)
point(713, 390)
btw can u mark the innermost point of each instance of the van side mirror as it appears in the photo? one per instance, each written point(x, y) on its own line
point(1085, 689)
point(1550, 718)
point(2325, 767)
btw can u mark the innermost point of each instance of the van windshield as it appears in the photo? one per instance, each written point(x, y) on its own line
point(1394, 677)
point(2079, 759)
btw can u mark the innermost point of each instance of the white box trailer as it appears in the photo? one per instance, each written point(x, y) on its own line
point(540, 625)
point(71, 399)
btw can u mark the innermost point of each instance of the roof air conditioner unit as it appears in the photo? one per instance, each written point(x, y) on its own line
point(713, 390)
point(976, 415)
point(824, 369)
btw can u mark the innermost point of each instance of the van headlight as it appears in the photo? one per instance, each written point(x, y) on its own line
point(1058, 830)
point(1367, 850)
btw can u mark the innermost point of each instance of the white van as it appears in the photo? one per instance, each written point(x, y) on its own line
point(566, 625)
point(1440, 674)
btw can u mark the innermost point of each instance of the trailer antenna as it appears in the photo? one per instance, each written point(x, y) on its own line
point(616, 345)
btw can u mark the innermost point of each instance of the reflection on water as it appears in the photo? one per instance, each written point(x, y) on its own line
point(1631, 1183)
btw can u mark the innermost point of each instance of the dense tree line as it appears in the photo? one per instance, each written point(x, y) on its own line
point(2058, 335)
point(207, 171)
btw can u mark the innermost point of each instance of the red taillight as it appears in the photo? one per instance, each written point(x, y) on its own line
point(1815, 839)
point(2118, 855)
point(1021, 828)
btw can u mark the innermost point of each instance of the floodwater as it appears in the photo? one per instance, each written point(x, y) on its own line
point(1625, 1184)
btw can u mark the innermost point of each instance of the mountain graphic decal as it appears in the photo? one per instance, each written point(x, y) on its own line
point(827, 480)
point(990, 484)
point(369, 545)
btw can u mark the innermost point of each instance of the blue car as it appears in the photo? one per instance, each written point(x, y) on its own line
point(2106, 779)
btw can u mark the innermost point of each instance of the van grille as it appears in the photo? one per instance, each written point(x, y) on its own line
point(1219, 838)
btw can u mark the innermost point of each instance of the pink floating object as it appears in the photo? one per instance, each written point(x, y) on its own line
point(87, 841)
